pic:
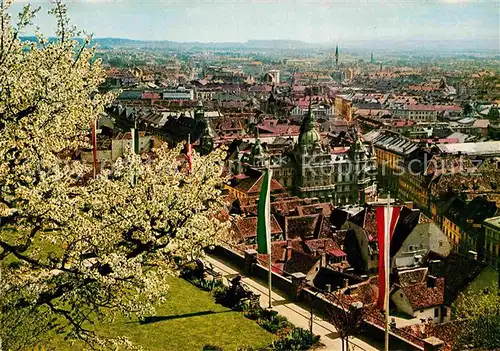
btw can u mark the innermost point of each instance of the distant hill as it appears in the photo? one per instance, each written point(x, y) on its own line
point(167, 44)
point(380, 45)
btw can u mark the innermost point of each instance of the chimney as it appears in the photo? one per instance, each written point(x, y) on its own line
point(323, 260)
point(288, 250)
point(472, 254)
point(315, 253)
point(434, 267)
point(345, 283)
point(328, 287)
point(431, 281)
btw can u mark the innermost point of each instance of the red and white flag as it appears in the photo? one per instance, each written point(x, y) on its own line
point(94, 144)
point(189, 153)
point(387, 217)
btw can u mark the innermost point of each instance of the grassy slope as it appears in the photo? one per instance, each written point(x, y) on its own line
point(179, 328)
point(486, 279)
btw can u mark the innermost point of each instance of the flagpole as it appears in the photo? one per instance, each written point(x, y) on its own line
point(94, 145)
point(387, 268)
point(189, 153)
point(270, 175)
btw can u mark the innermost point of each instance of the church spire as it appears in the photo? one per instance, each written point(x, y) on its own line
point(337, 56)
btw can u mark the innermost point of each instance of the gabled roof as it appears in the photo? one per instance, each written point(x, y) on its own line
point(422, 296)
point(284, 207)
point(252, 182)
point(323, 208)
point(408, 220)
point(300, 262)
point(320, 245)
point(412, 276)
point(300, 226)
point(247, 226)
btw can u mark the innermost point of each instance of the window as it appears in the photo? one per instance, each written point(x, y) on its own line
point(440, 243)
point(436, 312)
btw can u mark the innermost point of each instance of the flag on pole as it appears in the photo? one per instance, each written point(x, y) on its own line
point(94, 144)
point(264, 215)
point(135, 140)
point(189, 153)
point(387, 217)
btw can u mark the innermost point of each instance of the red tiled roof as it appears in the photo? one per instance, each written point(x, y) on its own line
point(278, 250)
point(420, 107)
point(321, 245)
point(300, 226)
point(422, 296)
point(323, 208)
point(371, 226)
point(452, 108)
point(300, 262)
point(251, 185)
point(412, 276)
point(249, 209)
point(255, 188)
point(285, 206)
point(247, 226)
point(337, 252)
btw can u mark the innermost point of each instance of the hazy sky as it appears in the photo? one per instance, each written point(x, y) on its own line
point(312, 21)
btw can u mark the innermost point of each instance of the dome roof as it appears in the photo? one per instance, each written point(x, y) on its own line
point(310, 137)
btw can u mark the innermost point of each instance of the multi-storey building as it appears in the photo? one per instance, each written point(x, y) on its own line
point(391, 152)
point(344, 175)
point(415, 112)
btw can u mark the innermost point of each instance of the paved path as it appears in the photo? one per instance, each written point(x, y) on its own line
point(295, 314)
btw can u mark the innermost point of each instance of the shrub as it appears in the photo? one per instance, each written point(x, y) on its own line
point(220, 294)
point(206, 284)
point(243, 306)
point(253, 313)
point(274, 323)
point(192, 271)
point(298, 339)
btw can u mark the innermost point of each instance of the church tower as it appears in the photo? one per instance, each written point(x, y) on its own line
point(208, 134)
point(337, 56)
point(309, 138)
point(258, 156)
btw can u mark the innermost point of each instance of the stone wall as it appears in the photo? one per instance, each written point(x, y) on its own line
point(244, 263)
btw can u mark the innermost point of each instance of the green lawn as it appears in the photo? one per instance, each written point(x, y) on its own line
point(486, 279)
point(189, 320)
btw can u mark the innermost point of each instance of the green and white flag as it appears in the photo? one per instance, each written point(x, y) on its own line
point(264, 215)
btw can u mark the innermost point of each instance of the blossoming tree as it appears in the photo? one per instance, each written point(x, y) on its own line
point(74, 250)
